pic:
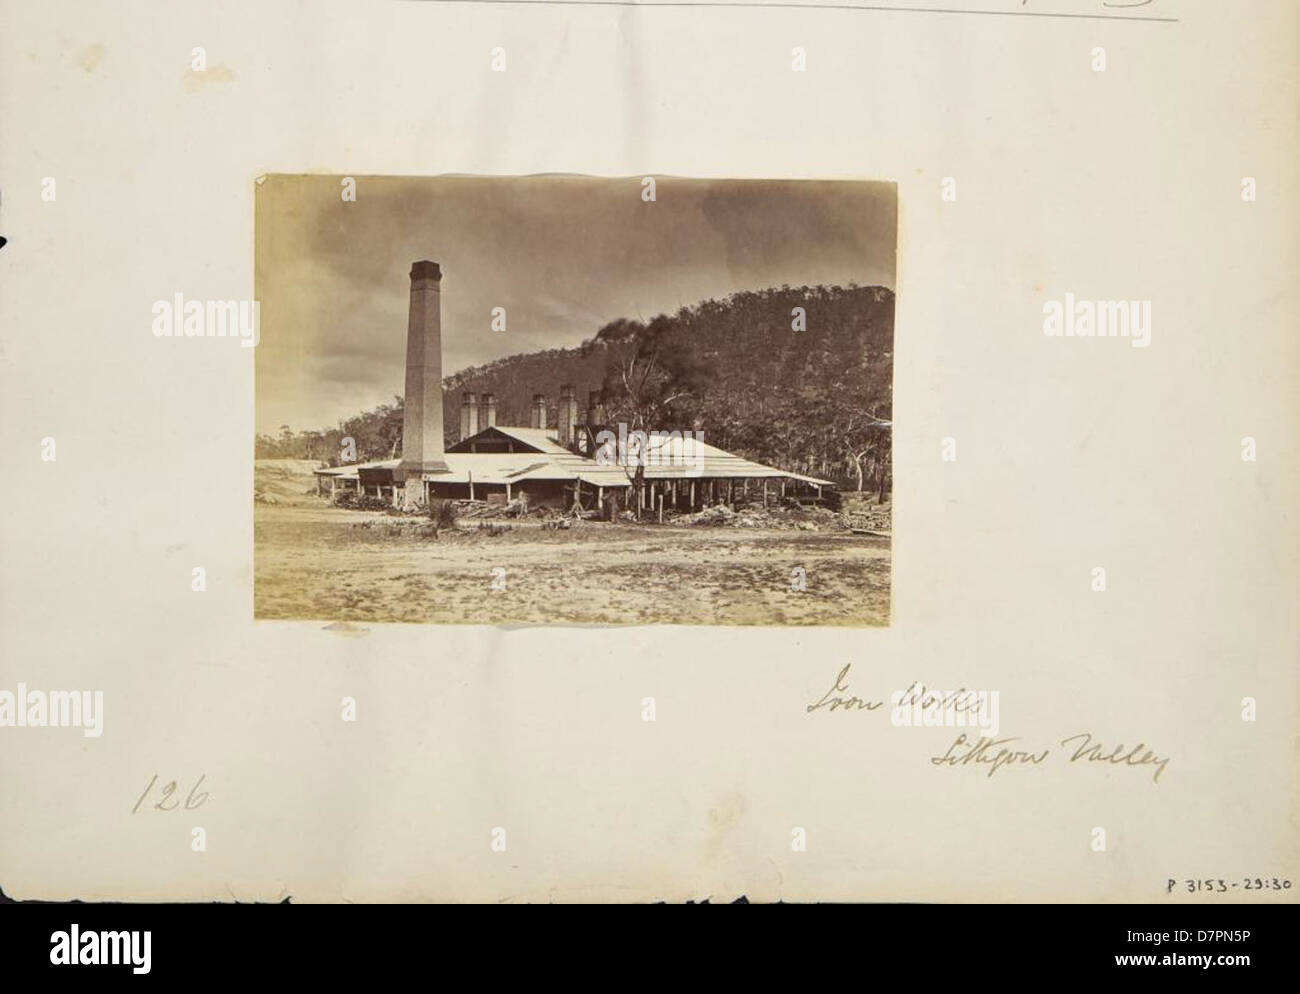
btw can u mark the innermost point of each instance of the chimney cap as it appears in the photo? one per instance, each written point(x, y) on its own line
point(425, 270)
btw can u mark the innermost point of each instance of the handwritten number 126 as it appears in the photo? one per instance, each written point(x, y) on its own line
point(194, 800)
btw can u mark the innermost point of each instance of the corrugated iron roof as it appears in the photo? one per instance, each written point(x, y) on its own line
point(675, 457)
point(667, 459)
point(545, 439)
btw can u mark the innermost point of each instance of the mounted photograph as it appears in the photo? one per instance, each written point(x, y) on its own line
point(565, 400)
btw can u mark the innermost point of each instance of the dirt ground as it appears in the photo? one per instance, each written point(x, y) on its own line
point(323, 563)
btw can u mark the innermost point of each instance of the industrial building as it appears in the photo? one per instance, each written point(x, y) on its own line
point(573, 462)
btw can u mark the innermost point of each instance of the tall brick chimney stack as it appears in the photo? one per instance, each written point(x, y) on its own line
point(568, 416)
point(422, 447)
point(488, 417)
point(539, 411)
point(595, 407)
point(468, 416)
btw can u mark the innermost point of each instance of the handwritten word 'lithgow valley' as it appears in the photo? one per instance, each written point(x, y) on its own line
point(994, 754)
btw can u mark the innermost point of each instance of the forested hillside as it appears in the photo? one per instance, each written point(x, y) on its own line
point(811, 392)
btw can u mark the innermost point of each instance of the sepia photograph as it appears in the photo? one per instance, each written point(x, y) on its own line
point(571, 400)
point(566, 337)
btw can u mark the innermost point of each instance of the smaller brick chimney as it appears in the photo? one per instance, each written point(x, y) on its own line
point(539, 411)
point(568, 416)
point(468, 416)
point(595, 407)
point(488, 413)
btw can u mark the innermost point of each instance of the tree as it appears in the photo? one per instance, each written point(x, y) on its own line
point(651, 376)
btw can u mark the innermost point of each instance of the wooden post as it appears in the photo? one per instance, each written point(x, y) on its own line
point(661, 509)
point(471, 486)
point(764, 493)
point(507, 493)
point(782, 487)
point(692, 495)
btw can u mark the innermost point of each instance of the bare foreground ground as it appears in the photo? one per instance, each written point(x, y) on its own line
point(314, 562)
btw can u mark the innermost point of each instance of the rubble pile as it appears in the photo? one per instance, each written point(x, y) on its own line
point(863, 513)
point(757, 516)
point(486, 510)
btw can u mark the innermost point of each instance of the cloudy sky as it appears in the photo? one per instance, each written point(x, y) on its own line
point(563, 255)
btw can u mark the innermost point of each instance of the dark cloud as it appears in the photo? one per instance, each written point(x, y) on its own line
point(562, 254)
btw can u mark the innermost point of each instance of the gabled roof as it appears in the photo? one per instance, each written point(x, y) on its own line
point(671, 458)
point(542, 439)
point(537, 439)
point(504, 467)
